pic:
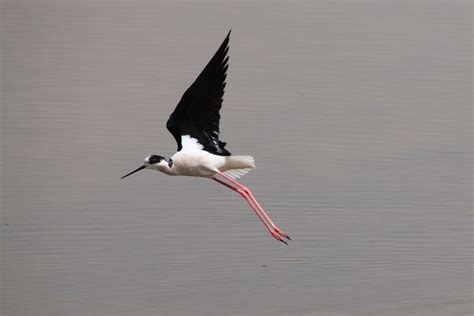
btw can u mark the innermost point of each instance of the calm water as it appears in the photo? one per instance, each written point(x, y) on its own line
point(359, 115)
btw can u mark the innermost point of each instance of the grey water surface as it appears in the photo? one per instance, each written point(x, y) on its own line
point(359, 116)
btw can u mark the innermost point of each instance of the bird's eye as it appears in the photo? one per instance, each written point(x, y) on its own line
point(154, 159)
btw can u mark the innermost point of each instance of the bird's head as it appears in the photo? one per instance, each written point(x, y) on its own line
point(151, 162)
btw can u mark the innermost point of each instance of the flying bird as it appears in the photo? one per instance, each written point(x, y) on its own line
point(195, 126)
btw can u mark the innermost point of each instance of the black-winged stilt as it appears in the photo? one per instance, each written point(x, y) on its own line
point(195, 126)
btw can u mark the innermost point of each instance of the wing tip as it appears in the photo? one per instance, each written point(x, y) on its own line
point(226, 41)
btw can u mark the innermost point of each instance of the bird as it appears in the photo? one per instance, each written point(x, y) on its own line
point(194, 125)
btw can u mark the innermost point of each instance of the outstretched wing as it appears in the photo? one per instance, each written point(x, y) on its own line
point(197, 113)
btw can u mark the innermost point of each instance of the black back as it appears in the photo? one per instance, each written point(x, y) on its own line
point(197, 113)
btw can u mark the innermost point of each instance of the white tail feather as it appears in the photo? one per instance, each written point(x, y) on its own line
point(237, 173)
point(238, 166)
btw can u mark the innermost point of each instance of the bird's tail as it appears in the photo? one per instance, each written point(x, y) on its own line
point(238, 166)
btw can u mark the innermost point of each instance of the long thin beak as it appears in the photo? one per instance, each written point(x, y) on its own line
point(136, 170)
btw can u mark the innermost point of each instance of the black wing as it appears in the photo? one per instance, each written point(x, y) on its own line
point(197, 113)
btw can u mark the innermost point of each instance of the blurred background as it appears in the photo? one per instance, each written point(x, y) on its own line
point(359, 116)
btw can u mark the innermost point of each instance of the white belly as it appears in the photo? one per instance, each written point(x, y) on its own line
point(198, 163)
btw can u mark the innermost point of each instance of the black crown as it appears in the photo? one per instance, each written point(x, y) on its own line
point(154, 159)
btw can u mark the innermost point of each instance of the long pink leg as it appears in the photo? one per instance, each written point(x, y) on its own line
point(247, 190)
point(254, 207)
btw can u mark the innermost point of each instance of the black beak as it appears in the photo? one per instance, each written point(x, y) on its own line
point(136, 170)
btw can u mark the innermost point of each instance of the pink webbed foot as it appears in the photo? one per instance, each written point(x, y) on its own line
point(277, 237)
point(281, 233)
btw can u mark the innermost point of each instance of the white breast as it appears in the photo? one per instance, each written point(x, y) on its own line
point(192, 160)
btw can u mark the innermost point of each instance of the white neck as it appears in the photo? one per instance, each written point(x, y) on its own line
point(164, 167)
